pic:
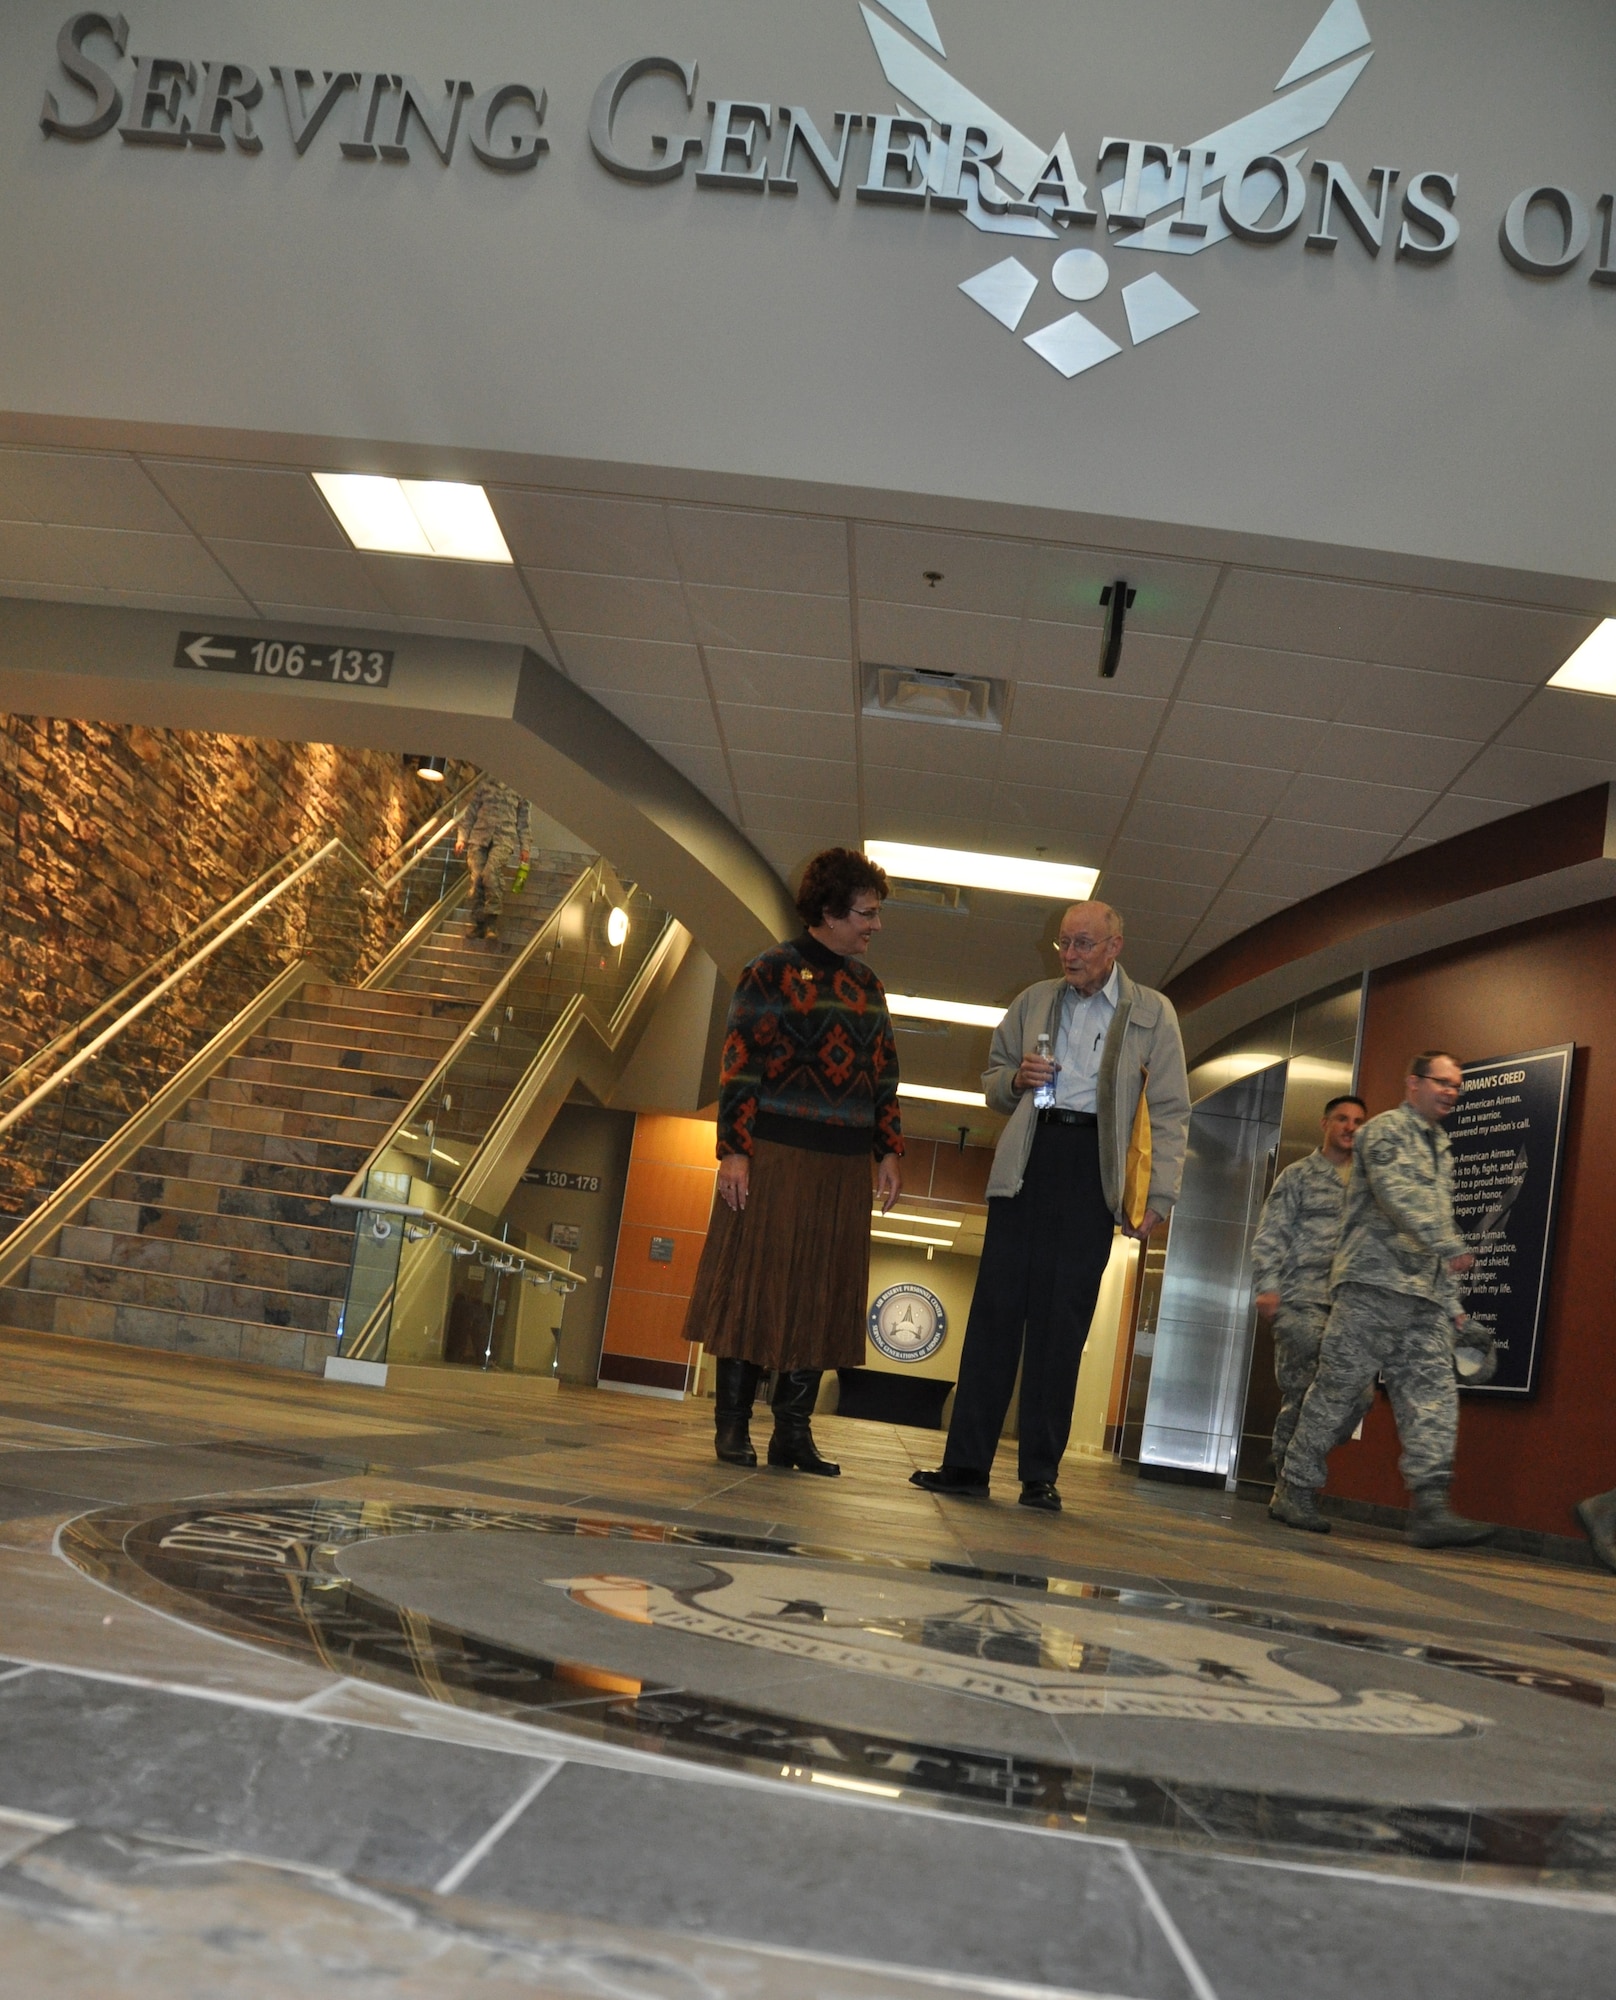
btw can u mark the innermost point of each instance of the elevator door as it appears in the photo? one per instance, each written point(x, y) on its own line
point(1202, 1348)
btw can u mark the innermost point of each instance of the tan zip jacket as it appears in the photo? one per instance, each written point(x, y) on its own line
point(1143, 1057)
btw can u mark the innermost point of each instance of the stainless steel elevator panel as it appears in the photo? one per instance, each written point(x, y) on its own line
point(1202, 1347)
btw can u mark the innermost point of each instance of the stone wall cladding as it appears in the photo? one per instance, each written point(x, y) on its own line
point(114, 842)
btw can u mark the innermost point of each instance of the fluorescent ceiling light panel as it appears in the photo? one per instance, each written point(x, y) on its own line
point(927, 1221)
point(931, 1094)
point(960, 1011)
point(983, 871)
point(414, 517)
point(897, 1236)
point(1591, 669)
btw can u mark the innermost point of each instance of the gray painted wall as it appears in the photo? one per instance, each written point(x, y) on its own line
point(681, 339)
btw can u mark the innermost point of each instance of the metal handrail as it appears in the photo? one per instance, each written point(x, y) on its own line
point(335, 845)
point(592, 876)
point(425, 836)
point(436, 1221)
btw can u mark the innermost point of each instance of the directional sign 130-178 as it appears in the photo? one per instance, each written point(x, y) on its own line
point(286, 658)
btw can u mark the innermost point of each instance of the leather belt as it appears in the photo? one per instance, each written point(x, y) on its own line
point(1054, 1115)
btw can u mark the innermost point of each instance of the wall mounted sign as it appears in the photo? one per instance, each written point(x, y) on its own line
point(284, 658)
point(1508, 1138)
point(566, 1236)
point(907, 1323)
point(661, 1249)
point(1248, 182)
point(558, 1177)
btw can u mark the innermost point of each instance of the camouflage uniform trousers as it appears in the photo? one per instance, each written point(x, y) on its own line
point(488, 858)
point(1298, 1332)
point(1409, 1342)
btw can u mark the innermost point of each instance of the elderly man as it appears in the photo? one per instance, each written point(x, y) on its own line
point(1104, 1149)
point(1394, 1308)
point(1291, 1256)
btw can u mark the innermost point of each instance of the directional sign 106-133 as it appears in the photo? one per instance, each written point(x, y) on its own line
point(286, 658)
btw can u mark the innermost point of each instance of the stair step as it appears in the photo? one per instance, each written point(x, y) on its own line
point(292, 1037)
point(269, 1176)
point(439, 1025)
point(152, 1187)
point(221, 1338)
point(270, 1093)
point(191, 1135)
point(153, 1222)
point(363, 1000)
point(227, 1114)
point(285, 1060)
point(114, 1285)
point(218, 1263)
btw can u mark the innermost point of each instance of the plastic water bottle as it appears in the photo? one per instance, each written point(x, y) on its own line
point(1044, 1096)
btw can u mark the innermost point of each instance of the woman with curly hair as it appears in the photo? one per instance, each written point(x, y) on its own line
point(808, 1095)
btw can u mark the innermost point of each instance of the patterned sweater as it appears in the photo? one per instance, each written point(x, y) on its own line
point(809, 1058)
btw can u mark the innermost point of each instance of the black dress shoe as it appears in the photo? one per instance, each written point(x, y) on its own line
point(949, 1479)
point(1043, 1494)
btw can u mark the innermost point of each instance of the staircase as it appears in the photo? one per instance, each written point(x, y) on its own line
point(219, 1240)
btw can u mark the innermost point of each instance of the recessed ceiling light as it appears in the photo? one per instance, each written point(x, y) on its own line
point(983, 871)
point(414, 517)
point(898, 1236)
point(927, 1221)
point(932, 1094)
point(960, 1011)
point(1591, 669)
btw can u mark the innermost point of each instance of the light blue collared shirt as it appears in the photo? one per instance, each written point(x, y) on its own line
point(1079, 1044)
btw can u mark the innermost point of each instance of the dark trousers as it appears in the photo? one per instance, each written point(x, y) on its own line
point(1043, 1257)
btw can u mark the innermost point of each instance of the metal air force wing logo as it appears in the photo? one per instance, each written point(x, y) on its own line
point(1053, 1658)
point(907, 1323)
point(1242, 180)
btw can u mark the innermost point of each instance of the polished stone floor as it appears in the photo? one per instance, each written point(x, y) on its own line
point(474, 1685)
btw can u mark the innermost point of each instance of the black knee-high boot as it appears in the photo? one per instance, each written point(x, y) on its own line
point(795, 1392)
point(736, 1387)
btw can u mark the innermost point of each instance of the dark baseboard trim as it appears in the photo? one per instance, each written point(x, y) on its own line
point(646, 1374)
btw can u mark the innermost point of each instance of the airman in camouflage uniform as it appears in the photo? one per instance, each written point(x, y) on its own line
point(1291, 1257)
point(1394, 1307)
point(493, 825)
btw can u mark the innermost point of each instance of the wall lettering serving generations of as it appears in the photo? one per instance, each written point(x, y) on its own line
point(1508, 1138)
point(945, 148)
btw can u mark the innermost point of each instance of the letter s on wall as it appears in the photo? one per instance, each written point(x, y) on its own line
point(108, 98)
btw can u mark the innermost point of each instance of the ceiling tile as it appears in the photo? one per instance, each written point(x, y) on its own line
point(1160, 863)
point(1274, 877)
point(249, 503)
point(1566, 724)
point(662, 718)
point(1339, 802)
point(578, 532)
point(1458, 706)
point(960, 798)
point(1386, 757)
point(782, 680)
point(900, 816)
point(1136, 894)
point(122, 559)
point(636, 666)
point(931, 748)
point(470, 593)
point(1456, 813)
point(978, 572)
point(334, 615)
point(786, 853)
point(1192, 827)
point(950, 642)
point(1274, 742)
point(706, 770)
point(796, 778)
point(787, 731)
point(1065, 585)
point(1250, 677)
point(617, 607)
point(83, 489)
point(770, 621)
point(1305, 844)
point(1195, 781)
point(1068, 767)
point(270, 572)
point(805, 819)
point(789, 552)
point(1531, 777)
point(30, 554)
point(1243, 907)
point(1086, 818)
point(1087, 716)
point(1069, 656)
point(1400, 628)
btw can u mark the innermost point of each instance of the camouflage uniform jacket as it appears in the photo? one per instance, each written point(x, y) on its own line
point(1300, 1227)
point(1397, 1226)
point(492, 811)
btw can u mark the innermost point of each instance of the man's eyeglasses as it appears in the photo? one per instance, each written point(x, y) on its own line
point(1085, 945)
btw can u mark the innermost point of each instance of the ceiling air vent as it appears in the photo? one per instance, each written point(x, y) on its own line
point(922, 694)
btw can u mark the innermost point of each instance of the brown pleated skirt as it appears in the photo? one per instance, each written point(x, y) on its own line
point(786, 1282)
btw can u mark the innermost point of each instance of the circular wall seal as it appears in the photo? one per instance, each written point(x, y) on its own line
point(907, 1323)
